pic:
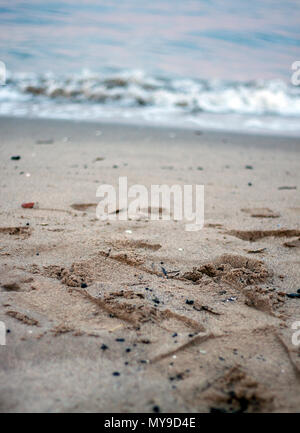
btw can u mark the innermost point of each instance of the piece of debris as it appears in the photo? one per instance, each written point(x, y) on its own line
point(15, 158)
point(287, 187)
point(260, 250)
point(28, 205)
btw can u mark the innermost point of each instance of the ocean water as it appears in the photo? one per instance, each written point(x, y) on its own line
point(209, 64)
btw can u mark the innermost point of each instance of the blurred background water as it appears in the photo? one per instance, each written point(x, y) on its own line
point(210, 63)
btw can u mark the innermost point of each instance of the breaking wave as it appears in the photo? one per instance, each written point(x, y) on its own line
point(266, 105)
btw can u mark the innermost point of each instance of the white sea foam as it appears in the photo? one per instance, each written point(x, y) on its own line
point(133, 95)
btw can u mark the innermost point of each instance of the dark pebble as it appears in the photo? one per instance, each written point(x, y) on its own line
point(189, 302)
point(249, 167)
point(156, 301)
point(120, 340)
point(174, 335)
point(83, 285)
point(249, 184)
point(298, 291)
point(143, 361)
point(156, 409)
point(293, 295)
point(221, 358)
point(8, 331)
point(116, 373)
point(104, 347)
point(15, 158)
point(128, 350)
point(191, 335)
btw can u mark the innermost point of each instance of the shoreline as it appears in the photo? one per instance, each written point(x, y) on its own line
point(140, 123)
point(267, 138)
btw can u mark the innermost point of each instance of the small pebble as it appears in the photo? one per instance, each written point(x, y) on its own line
point(156, 409)
point(116, 373)
point(189, 302)
point(120, 340)
point(15, 158)
point(104, 347)
point(293, 295)
point(83, 285)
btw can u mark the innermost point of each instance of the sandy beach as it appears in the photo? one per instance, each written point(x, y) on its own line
point(141, 315)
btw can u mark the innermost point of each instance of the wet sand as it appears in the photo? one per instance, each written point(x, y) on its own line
point(169, 320)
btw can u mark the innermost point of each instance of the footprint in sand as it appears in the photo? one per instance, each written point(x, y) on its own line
point(22, 232)
point(293, 244)
point(132, 244)
point(83, 206)
point(255, 235)
point(261, 212)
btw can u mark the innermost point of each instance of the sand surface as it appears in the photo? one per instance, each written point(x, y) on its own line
point(228, 350)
